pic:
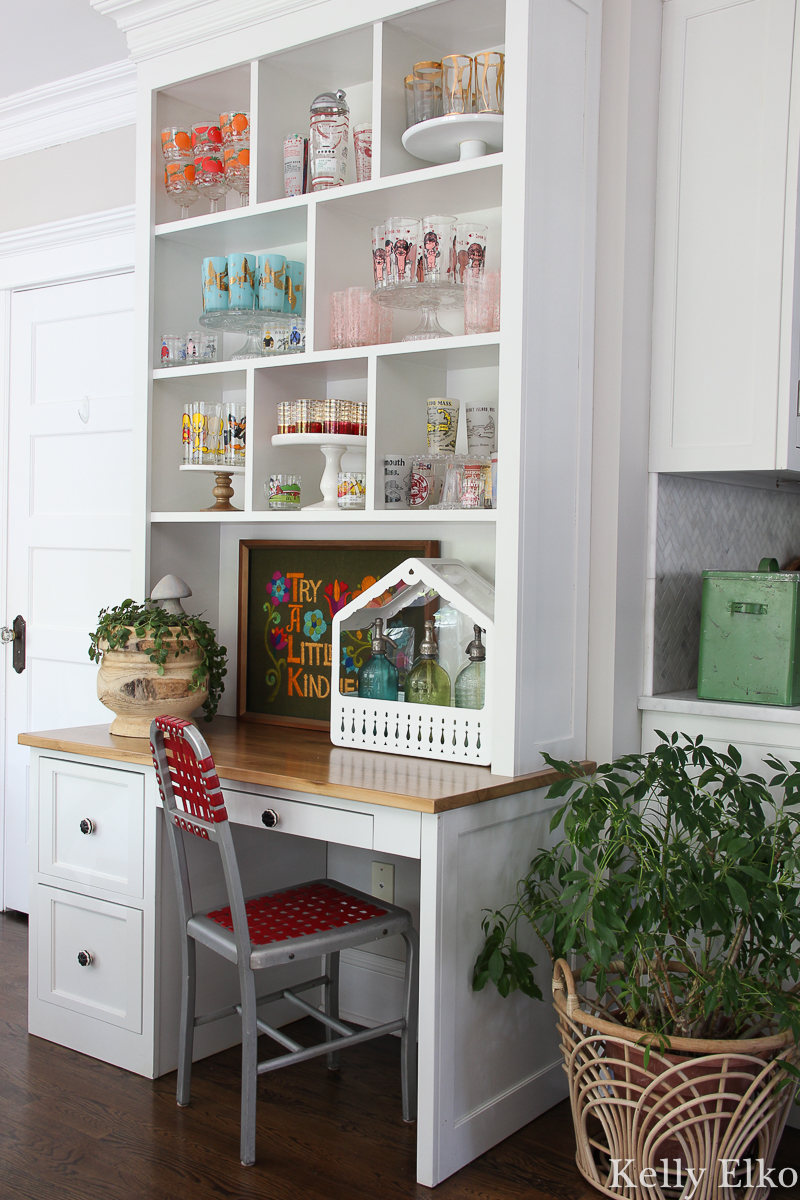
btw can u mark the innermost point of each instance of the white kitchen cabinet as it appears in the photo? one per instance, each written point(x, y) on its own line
point(726, 322)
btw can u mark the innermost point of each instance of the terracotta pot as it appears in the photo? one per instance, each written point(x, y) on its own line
point(129, 684)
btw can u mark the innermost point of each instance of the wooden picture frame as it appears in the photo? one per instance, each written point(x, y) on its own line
point(288, 581)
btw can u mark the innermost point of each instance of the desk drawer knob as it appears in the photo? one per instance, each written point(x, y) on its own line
point(85, 958)
point(269, 818)
point(87, 826)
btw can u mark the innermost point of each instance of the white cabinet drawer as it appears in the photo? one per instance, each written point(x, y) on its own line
point(304, 820)
point(109, 939)
point(91, 825)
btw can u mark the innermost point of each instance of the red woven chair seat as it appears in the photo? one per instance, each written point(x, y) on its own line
point(298, 912)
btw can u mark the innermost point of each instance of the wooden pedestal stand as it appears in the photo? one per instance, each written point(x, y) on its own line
point(222, 489)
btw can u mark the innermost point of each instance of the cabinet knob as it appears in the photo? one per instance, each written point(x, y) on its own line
point(87, 826)
point(85, 958)
point(269, 818)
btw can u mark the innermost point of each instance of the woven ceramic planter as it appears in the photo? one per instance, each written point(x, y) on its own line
point(129, 684)
point(701, 1103)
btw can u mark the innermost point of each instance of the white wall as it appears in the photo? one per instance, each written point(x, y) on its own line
point(46, 40)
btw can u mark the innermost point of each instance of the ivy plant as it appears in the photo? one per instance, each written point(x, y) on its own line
point(170, 633)
point(676, 887)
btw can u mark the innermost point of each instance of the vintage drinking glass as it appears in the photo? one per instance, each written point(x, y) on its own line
point(362, 147)
point(361, 317)
point(489, 81)
point(457, 85)
point(209, 168)
point(241, 281)
point(380, 265)
point(438, 248)
point(470, 250)
point(179, 172)
point(401, 243)
point(173, 350)
point(352, 489)
point(237, 170)
point(283, 492)
point(408, 88)
point(482, 302)
point(235, 127)
point(427, 90)
point(271, 281)
point(338, 320)
point(233, 434)
point(442, 414)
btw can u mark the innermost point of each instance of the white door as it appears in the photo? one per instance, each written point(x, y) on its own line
point(69, 523)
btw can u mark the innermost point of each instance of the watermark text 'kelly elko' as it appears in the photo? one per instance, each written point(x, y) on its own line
point(736, 1172)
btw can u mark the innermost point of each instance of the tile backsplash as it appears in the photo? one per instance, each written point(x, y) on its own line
point(704, 525)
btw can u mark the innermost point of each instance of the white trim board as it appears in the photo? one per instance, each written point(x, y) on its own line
point(77, 107)
point(86, 245)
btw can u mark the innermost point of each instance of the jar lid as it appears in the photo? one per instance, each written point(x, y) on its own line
point(329, 100)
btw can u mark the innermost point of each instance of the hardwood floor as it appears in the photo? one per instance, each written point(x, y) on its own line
point(73, 1128)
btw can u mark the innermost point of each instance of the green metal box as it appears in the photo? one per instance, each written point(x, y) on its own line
point(749, 636)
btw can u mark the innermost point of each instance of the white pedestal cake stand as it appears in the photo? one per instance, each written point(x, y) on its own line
point(333, 446)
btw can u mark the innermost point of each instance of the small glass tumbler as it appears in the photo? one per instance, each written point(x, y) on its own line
point(360, 317)
point(352, 489)
point(423, 482)
point(438, 237)
point(362, 147)
point(233, 434)
point(208, 344)
point(297, 334)
point(481, 420)
point(173, 351)
point(453, 485)
point(338, 320)
point(193, 348)
point(470, 251)
point(482, 302)
point(209, 167)
point(474, 482)
point(457, 85)
point(490, 69)
point(401, 242)
point(205, 433)
point(294, 289)
point(442, 424)
point(241, 281)
point(294, 152)
point(283, 492)
point(280, 325)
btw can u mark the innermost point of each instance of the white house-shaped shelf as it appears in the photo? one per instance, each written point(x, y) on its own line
point(418, 730)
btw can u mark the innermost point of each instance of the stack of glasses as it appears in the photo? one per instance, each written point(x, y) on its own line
point(213, 434)
point(207, 160)
point(458, 84)
point(436, 250)
point(356, 320)
point(346, 418)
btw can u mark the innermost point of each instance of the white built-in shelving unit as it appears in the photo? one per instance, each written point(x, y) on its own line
point(537, 197)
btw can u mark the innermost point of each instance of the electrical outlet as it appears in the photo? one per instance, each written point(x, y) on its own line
point(383, 881)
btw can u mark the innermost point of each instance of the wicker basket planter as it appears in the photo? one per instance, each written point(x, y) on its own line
point(701, 1103)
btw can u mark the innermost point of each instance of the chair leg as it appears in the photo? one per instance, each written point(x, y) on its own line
point(330, 967)
point(247, 1149)
point(186, 1036)
point(408, 1041)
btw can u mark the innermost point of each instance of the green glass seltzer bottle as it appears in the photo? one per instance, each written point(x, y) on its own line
point(427, 682)
point(377, 679)
point(471, 681)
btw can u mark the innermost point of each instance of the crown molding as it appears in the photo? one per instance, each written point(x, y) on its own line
point(155, 27)
point(114, 222)
point(77, 107)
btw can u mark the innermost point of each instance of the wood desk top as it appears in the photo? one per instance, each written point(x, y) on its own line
point(303, 760)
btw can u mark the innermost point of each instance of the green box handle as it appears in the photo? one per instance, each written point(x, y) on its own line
point(768, 565)
point(752, 610)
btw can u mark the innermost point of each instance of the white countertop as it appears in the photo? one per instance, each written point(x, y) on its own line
point(687, 702)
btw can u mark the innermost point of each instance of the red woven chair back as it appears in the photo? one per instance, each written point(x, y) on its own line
point(191, 782)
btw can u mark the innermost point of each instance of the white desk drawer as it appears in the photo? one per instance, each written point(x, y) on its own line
point(91, 825)
point(304, 820)
point(109, 938)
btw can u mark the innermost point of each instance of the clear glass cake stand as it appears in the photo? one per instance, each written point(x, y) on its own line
point(239, 320)
point(428, 298)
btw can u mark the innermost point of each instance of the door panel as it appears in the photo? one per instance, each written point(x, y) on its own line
point(69, 504)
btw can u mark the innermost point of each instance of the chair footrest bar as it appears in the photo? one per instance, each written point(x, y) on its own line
point(277, 1036)
point(318, 1015)
point(306, 986)
point(353, 1039)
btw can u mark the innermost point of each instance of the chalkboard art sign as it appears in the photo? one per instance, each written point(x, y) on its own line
point(288, 595)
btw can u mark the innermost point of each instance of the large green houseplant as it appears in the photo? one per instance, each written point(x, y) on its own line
point(675, 894)
point(153, 661)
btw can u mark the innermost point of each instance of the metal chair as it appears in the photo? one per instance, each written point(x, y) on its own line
point(314, 919)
